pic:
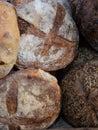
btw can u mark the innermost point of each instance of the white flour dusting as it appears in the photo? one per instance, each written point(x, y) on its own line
point(68, 29)
point(41, 14)
point(29, 44)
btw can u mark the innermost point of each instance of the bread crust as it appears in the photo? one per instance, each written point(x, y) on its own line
point(86, 17)
point(49, 37)
point(9, 38)
point(30, 99)
point(80, 95)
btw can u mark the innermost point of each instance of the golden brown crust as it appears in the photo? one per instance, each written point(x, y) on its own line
point(9, 38)
point(32, 99)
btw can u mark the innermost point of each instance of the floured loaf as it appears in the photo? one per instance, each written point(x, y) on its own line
point(29, 100)
point(49, 36)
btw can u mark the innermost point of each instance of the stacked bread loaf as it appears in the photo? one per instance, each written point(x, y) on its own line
point(31, 98)
point(39, 38)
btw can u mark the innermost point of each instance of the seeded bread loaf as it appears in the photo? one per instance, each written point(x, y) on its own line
point(29, 100)
point(9, 38)
point(49, 37)
point(80, 95)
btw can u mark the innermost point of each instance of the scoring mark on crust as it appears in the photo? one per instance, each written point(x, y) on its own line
point(27, 28)
point(60, 14)
point(11, 98)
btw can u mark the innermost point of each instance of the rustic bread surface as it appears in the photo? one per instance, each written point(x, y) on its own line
point(49, 37)
point(9, 38)
point(85, 13)
point(80, 95)
point(29, 99)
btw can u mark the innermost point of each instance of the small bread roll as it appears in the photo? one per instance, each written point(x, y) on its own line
point(80, 95)
point(49, 36)
point(29, 100)
point(9, 38)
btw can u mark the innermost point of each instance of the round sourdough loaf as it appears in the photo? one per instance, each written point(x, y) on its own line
point(80, 95)
point(49, 36)
point(29, 100)
point(9, 38)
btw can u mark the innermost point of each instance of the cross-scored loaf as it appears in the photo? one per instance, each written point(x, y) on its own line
point(29, 100)
point(49, 36)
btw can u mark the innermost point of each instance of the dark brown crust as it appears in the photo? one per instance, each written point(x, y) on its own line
point(11, 127)
point(73, 4)
point(80, 95)
point(11, 98)
point(74, 129)
point(87, 20)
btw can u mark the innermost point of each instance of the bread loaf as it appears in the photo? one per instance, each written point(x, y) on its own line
point(49, 36)
point(29, 100)
point(80, 95)
point(86, 17)
point(9, 38)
